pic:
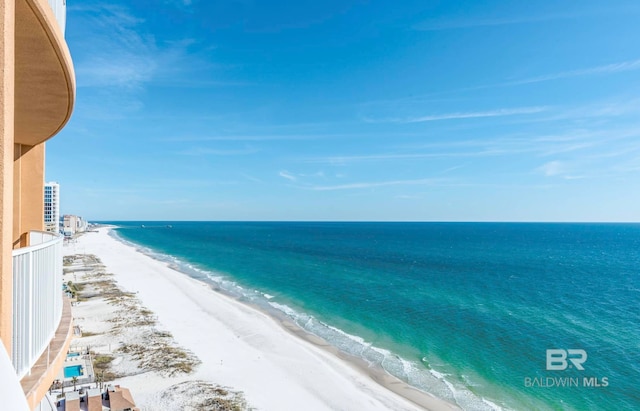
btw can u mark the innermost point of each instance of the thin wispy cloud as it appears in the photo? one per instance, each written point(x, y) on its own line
point(174, 201)
point(379, 111)
point(183, 82)
point(119, 58)
point(439, 25)
point(598, 115)
point(461, 115)
point(251, 178)
point(564, 170)
point(632, 166)
point(552, 168)
point(125, 57)
point(478, 114)
point(363, 185)
point(617, 150)
point(121, 52)
point(287, 175)
point(231, 137)
point(488, 21)
point(367, 157)
point(204, 151)
point(189, 183)
point(631, 65)
point(450, 169)
point(409, 197)
point(180, 4)
point(587, 142)
point(267, 137)
point(566, 148)
point(414, 156)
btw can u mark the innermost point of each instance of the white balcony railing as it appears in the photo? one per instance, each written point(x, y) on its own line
point(37, 298)
point(59, 8)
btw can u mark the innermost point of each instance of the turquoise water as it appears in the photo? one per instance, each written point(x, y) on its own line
point(462, 310)
point(73, 371)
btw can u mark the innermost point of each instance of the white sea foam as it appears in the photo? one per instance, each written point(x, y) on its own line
point(437, 374)
point(413, 373)
point(284, 308)
point(468, 381)
point(493, 405)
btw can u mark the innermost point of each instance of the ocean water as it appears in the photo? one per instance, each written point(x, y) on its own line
point(466, 311)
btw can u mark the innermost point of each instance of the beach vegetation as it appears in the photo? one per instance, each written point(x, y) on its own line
point(102, 361)
point(162, 334)
point(146, 312)
point(102, 367)
point(90, 333)
point(204, 396)
point(162, 357)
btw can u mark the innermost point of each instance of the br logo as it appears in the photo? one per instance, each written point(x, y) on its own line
point(557, 359)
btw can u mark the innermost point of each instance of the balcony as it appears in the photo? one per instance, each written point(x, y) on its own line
point(42, 326)
point(44, 77)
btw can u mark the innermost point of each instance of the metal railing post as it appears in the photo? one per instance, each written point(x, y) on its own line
point(30, 305)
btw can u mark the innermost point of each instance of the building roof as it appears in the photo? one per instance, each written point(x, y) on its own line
point(94, 400)
point(72, 401)
point(121, 399)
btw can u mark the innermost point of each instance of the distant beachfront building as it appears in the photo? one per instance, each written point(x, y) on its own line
point(52, 207)
point(37, 95)
point(73, 224)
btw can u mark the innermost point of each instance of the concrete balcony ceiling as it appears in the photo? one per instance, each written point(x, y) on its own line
point(45, 84)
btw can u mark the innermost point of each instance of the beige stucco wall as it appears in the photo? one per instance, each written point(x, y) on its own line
point(7, 115)
point(28, 192)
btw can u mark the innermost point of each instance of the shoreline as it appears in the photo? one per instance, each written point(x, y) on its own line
point(314, 374)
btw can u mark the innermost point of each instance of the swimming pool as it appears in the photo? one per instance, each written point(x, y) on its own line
point(73, 371)
point(73, 354)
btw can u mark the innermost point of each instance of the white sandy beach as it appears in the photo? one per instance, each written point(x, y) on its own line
point(238, 346)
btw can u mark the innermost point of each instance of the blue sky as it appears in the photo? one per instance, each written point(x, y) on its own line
point(352, 110)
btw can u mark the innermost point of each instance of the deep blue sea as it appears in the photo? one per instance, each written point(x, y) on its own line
point(466, 311)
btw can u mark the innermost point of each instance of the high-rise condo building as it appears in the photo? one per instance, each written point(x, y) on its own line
point(37, 95)
point(52, 207)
